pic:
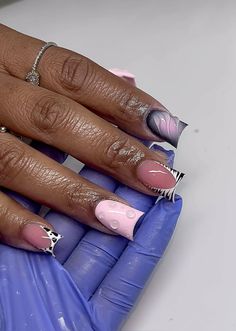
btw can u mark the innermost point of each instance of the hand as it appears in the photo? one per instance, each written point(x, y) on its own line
point(101, 276)
point(72, 110)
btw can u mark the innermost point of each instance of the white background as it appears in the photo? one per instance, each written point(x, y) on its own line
point(183, 53)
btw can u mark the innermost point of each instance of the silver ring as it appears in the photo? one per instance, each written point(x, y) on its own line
point(33, 76)
point(3, 129)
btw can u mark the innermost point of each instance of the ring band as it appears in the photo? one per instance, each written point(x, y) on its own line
point(4, 129)
point(33, 76)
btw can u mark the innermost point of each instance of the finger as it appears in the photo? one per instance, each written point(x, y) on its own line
point(55, 154)
point(90, 261)
point(121, 287)
point(45, 116)
point(73, 231)
point(30, 205)
point(21, 228)
point(86, 82)
point(99, 252)
point(28, 172)
point(90, 251)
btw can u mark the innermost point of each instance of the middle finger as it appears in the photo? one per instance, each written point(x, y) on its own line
point(38, 177)
point(59, 121)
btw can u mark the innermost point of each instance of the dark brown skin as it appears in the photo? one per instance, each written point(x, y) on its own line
point(72, 109)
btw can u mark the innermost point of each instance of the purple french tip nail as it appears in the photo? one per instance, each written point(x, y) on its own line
point(165, 126)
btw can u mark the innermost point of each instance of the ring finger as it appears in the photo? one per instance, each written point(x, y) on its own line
point(59, 121)
point(79, 78)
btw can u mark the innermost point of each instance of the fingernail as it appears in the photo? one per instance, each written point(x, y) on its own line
point(118, 217)
point(165, 126)
point(159, 178)
point(41, 237)
point(126, 75)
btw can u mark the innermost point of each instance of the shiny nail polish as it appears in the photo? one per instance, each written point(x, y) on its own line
point(118, 217)
point(124, 74)
point(165, 126)
point(41, 237)
point(159, 178)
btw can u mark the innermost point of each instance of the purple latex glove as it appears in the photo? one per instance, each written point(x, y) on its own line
point(106, 273)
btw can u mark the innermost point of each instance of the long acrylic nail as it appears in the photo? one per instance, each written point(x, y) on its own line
point(118, 217)
point(41, 237)
point(165, 126)
point(159, 178)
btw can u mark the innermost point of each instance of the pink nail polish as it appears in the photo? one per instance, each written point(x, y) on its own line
point(159, 178)
point(126, 75)
point(40, 237)
point(118, 217)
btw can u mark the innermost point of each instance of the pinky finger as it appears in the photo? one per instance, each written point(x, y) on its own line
point(21, 228)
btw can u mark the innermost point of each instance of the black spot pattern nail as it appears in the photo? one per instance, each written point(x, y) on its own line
point(165, 126)
point(54, 237)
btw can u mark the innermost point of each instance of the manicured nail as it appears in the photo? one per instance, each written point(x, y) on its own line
point(41, 237)
point(126, 75)
point(118, 217)
point(159, 178)
point(165, 126)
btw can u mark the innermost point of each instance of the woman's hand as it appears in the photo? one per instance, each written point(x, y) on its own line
point(105, 274)
point(72, 110)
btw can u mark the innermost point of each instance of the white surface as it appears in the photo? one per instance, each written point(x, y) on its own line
point(184, 54)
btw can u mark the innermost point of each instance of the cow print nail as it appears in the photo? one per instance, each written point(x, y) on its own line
point(54, 237)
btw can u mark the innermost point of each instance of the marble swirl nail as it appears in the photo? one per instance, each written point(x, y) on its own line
point(165, 126)
point(118, 217)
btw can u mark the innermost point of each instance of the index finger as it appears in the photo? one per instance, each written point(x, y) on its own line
point(84, 81)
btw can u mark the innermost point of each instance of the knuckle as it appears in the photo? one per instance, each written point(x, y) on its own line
point(12, 161)
point(119, 153)
point(80, 195)
point(49, 115)
point(130, 105)
point(73, 193)
point(76, 73)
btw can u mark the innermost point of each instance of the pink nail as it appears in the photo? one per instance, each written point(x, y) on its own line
point(155, 174)
point(118, 217)
point(40, 237)
point(159, 178)
point(126, 75)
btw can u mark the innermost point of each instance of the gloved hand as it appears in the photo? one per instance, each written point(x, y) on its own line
point(97, 278)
